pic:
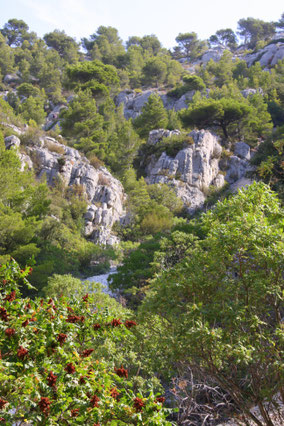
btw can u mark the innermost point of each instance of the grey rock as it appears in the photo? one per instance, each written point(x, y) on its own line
point(11, 78)
point(90, 215)
point(193, 170)
point(26, 162)
point(88, 229)
point(240, 183)
point(12, 142)
point(53, 160)
point(268, 56)
point(133, 102)
point(53, 117)
point(249, 92)
point(141, 99)
point(219, 181)
point(13, 127)
point(237, 169)
point(242, 150)
point(196, 168)
point(214, 54)
point(157, 135)
point(184, 100)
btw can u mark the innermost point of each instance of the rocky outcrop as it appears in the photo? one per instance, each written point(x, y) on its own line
point(53, 117)
point(268, 56)
point(12, 78)
point(104, 194)
point(133, 102)
point(12, 142)
point(197, 168)
point(214, 54)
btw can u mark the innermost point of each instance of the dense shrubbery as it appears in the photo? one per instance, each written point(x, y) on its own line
point(211, 288)
point(54, 368)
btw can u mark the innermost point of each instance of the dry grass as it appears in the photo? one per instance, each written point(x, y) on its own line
point(53, 147)
point(103, 180)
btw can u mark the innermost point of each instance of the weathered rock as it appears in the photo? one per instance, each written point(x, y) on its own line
point(133, 102)
point(12, 142)
point(26, 162)
point(237, 169)
point(13, 127)
point(53, 117)
point(11, 78)
point(268, 56)
point(250, 92)
point(157, 135)
point(242, 150)
point(214, 54)
point(193, 170)
point(196, 168)
point(183, 101)
point(240, 183)
point(104, 193)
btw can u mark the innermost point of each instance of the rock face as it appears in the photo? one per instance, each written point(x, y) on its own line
point(12, 142)
point(196, 168)
point(238, 165)
point(133, 102)
point(53, 117)
point(104, 193)
point(12, 78)
point(268, 56)
point(214, 54)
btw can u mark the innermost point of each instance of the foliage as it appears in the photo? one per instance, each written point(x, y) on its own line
point(154, 71)
point(63, 44)
point(104, 45)
point(252, 30)
point(226, 38)
point(15, 30)
point(269, 160)
point(223, 303)
point(191, 82)
point(82, 121)
point(165, 196)
point(234, 117)
point(136, 269)
point(33, 109)
point(190, 46)
point(94, 75)
point(153, 116)
point(53, 367)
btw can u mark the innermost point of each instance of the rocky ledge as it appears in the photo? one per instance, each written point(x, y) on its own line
point(104, 193)
point(202, 166)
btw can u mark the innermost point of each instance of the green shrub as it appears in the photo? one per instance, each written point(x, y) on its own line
point(170, 145)
point(61, 359)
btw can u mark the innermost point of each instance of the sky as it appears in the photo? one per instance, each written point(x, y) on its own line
point(164, 18)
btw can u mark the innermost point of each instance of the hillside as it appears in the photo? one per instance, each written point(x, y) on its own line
point(168, 165)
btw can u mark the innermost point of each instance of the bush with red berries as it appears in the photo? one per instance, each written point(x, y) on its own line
point(52, 368)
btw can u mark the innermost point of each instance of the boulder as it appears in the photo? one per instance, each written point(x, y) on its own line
point(237, 169)
point(184, 100)
point(214, 54)
point(12, 142)
point(12, 78)
point(242, 150)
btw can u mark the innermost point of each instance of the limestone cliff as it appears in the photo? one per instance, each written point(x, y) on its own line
point(104, 194)
point(198, 167)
